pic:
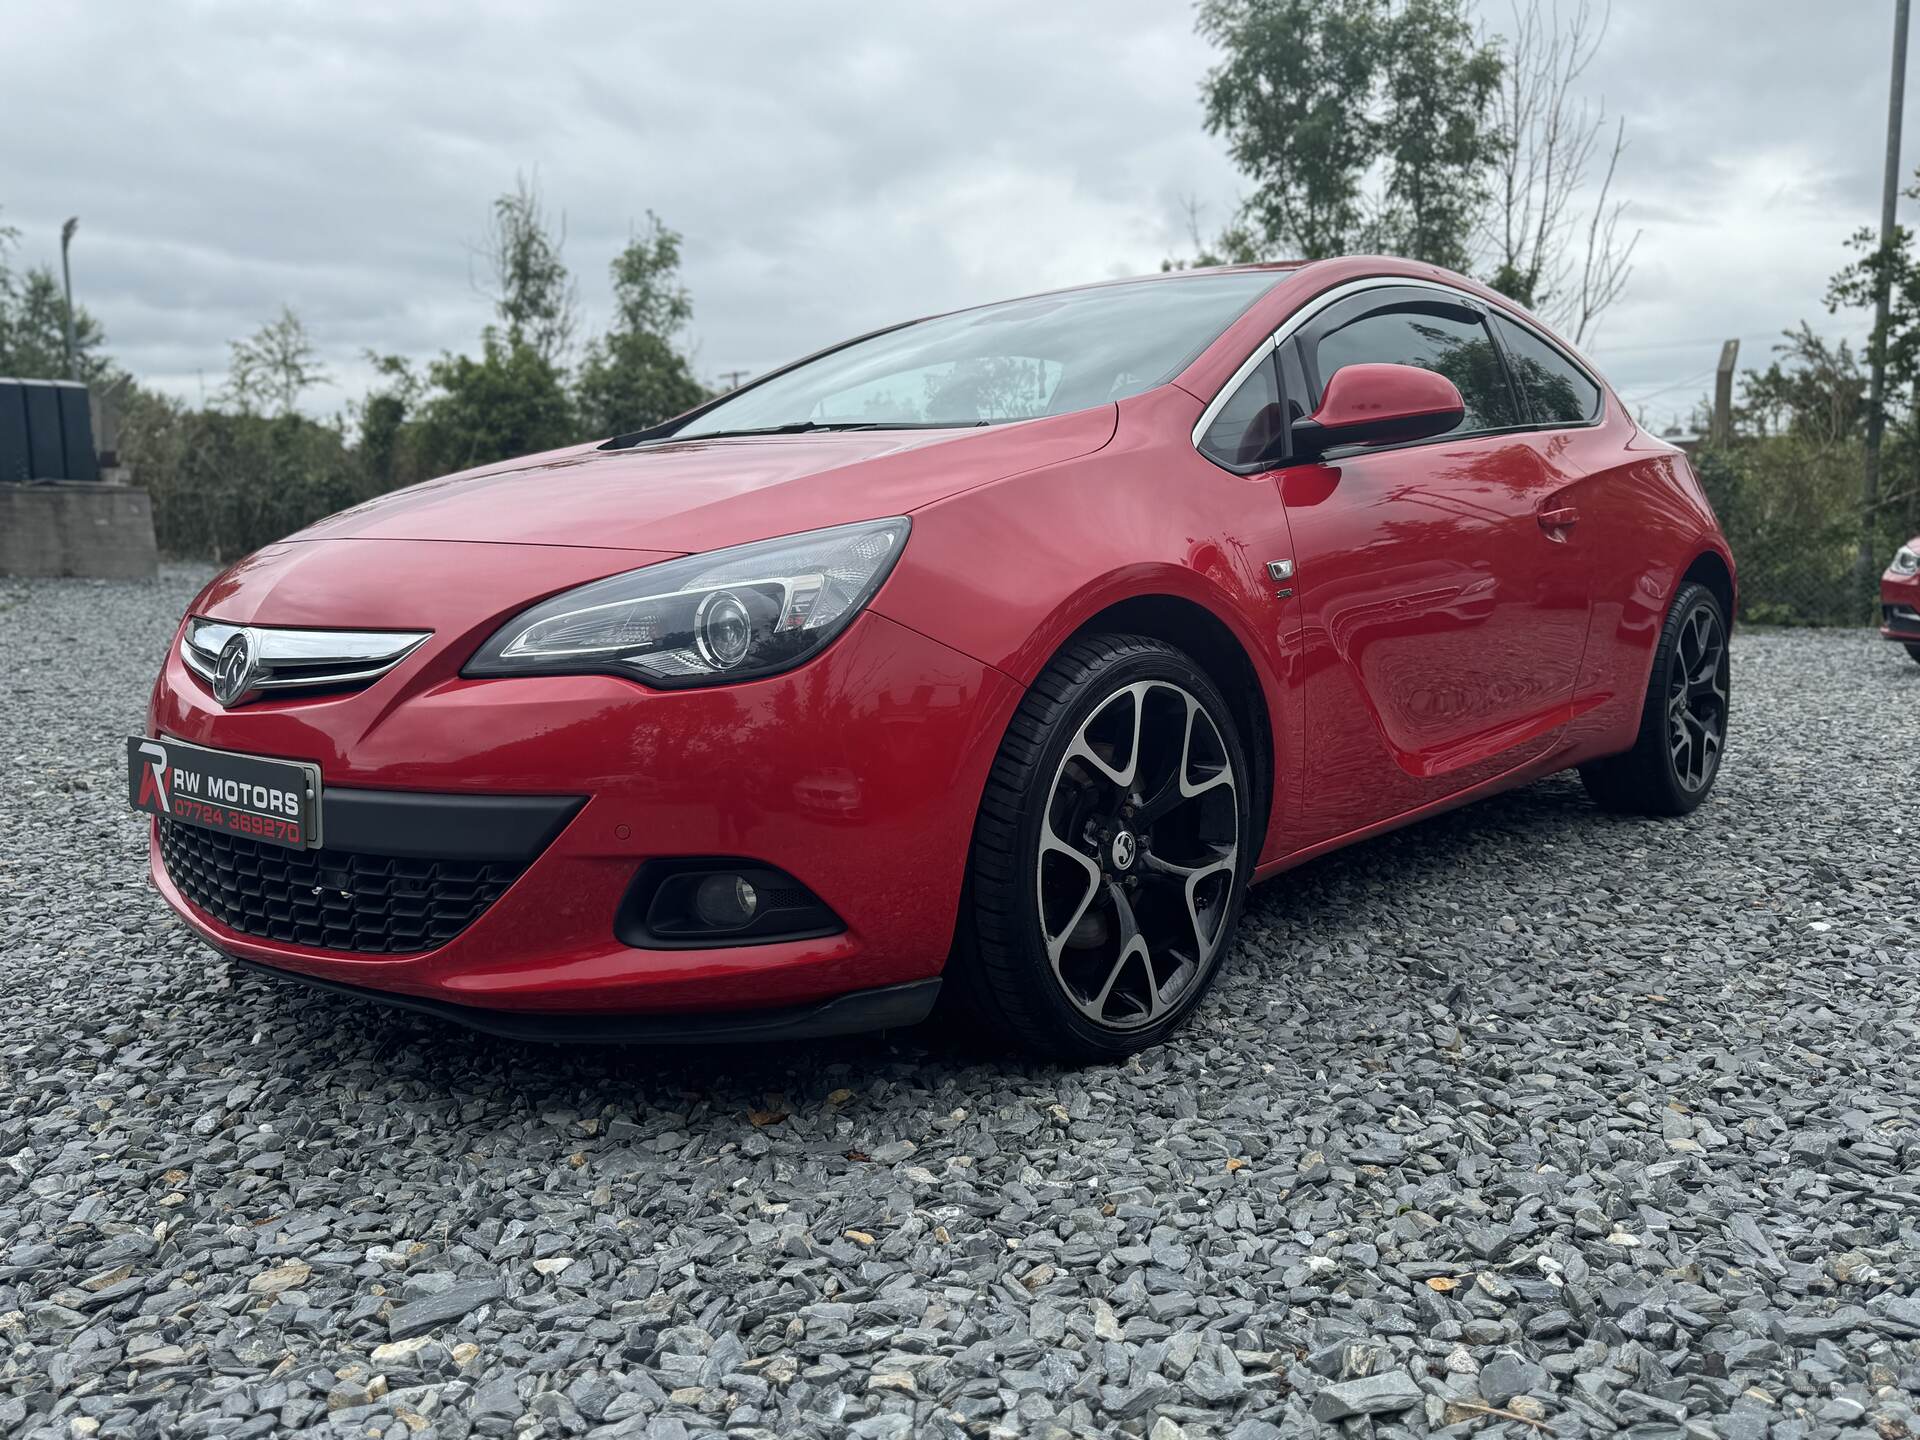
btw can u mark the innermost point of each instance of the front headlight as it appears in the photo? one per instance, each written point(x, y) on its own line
point(704, 619)
point(1906, 561)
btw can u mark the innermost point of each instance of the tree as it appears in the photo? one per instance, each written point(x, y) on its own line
point(272, 368)
point(1439, 81)
point(634, 376)
point(33, 323)
point(1856, 287)
point(1819, 393)
point(511, 401)
point(382, 415)
point(1898, 341)
point(1549, 254)
point(1315, 97)
point(532, 291)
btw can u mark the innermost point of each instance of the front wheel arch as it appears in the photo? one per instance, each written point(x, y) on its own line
point(1211, 644)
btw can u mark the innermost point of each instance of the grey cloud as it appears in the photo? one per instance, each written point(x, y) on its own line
point(833, 166)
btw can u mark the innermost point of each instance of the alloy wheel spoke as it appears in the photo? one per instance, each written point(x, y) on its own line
point(1052, 844)
point(1222, 776)
point(1190, 878)
point(1119, 776)
point(1132, 908)
point(1133, 946)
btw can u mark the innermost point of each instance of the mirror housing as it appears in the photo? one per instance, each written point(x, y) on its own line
point(1378, 405)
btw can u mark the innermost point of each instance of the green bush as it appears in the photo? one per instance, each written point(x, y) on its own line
point(224, 484)
point(1791, 511)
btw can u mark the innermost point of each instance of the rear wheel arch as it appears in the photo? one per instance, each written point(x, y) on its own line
point(1709, 568)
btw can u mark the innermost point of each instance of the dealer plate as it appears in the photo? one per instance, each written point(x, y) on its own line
point(276, 802)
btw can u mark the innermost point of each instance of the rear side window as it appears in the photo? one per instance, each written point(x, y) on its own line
point(1450, 343)
point(1247, 424)
point(1556, 390)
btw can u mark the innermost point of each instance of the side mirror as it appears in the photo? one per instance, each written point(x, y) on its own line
point(1378, 405)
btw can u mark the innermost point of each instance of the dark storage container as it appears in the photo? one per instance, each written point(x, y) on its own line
point(76, 431)
point(46, 456)
point(46, 431)
point(13, 432)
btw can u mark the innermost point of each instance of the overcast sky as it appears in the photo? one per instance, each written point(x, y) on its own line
point(832, 166)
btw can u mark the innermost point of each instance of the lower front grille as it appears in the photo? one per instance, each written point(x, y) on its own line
point(330, 899)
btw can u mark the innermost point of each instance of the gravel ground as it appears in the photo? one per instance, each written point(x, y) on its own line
point(1526, 1119)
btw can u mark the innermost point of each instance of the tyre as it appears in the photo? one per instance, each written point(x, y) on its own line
point(1683, 726)
point(1111, 854)
point(1914, 651)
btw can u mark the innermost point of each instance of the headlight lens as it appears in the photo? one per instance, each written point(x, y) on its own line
point(705, 619)
point(1906, 561)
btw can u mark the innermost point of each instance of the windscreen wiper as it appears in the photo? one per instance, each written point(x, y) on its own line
point(809, 427)
point(796, 427)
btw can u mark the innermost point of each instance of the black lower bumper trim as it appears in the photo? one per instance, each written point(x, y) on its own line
point(445, 827)
point(886, 1008)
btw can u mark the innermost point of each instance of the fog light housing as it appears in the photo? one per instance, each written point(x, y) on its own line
point(683, 904)
point(726, 902)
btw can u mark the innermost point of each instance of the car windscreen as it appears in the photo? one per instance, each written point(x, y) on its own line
point(1013, 361)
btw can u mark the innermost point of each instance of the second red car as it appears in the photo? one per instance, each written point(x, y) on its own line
point(1900, 598)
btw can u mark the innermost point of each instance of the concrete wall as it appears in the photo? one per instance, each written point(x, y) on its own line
point(77, 528)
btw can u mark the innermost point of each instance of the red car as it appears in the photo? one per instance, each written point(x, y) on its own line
point(1000, 651)
point(1900, 598)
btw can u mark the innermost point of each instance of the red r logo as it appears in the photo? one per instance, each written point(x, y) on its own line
point(153, 780)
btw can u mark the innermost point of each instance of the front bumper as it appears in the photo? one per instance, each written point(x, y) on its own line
point(859, 774)
point(1900, 607)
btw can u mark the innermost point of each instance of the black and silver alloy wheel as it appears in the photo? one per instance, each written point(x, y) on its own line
point(1139, 849)
point(1697, 697)
point(1111, 853)
point(1682, 739)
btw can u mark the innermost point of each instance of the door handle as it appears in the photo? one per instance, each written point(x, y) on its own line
point(1558, 518)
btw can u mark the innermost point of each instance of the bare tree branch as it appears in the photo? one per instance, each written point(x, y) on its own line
point(1546, 253)
point(534, 296)
point(1608, 259)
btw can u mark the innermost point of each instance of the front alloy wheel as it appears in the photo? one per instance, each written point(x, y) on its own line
point(1111, 853)
point(1139, 848)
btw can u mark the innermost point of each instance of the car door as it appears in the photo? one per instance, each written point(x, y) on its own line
point(1443, 611)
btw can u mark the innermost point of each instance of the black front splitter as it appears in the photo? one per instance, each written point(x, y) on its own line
point(886, 1008)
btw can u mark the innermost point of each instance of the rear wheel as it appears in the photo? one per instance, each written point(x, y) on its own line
point(1683, 727)
point(1111, 853)
point(1914, 651)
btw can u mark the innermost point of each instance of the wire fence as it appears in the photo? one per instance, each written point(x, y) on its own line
point(1793, 517)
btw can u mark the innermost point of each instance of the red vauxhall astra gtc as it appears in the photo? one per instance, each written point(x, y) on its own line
point(999, 651)
point(1900, 598)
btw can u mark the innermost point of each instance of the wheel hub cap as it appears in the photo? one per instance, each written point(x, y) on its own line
point(1123, 851)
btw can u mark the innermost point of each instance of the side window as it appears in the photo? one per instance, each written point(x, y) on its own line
point(1444, 341)
point(1556, 390)
point(1249, 423)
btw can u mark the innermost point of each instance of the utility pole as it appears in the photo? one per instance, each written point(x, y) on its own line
point(1721, 430)
point(66, 276)
point(1868, 562)
point(732, 378)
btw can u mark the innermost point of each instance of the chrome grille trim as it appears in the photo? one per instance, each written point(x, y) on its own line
point(290, 659)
